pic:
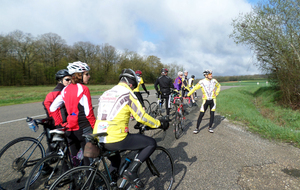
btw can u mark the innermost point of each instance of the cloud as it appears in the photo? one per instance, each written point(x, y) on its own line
point(192, 33)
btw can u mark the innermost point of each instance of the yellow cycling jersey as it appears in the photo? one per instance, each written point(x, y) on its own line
point(185, 84)
point(208, 88)
point(115, 106)
point(141, 81)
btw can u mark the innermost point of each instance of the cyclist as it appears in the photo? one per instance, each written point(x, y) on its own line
point(137, 89)
point(178, 82)
point(165, 84)
point(191, 85)
point(185, 86)
point(210, 90)
point(77, 100)
point(115, 107)
point(64, 79)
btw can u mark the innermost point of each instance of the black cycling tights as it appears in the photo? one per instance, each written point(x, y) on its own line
point(145, 144)
point(77, 141)
point(207, 103)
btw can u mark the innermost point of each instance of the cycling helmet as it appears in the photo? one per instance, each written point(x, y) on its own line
point(138, 73)
point(129, 74)
point(61, 74)
point(180, 73)
point(206, 72)
point(164, 70)
point(193, 76)
point(77, 67)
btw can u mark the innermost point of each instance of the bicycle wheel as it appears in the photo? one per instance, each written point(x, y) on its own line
point(157, 172)
point(17, 158)
point(80, 178)
point(46, 171)
point(154, 110)
point(147, 106)
point(178, 125)
point(157, 134)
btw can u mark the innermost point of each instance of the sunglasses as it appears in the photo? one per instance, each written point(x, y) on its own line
point(87, 74)
point(67, 80)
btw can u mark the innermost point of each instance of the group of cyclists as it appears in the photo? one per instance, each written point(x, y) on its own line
point(70, 107)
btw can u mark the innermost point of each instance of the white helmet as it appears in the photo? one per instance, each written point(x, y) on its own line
point(77, 67)
point(207, 71)
point(180, 73)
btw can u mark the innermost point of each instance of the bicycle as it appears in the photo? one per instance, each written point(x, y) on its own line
point(157, 171)
point(179, 117)
point(156, 107)
point(49, 168)
point(19, 156)
point(146, 103)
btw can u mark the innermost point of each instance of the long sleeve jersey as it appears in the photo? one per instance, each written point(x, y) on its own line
point(78, 103)
point(178, 83)
point(165, 84)
point(210, 88)
point(115, 106)
point(62, 112)
point(141, 83)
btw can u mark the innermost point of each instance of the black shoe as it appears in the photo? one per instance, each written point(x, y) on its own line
point(130, 174)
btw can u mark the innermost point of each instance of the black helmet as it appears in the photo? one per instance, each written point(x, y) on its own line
point(206, 72)
point(164, 70)
point(61, 74)
point(129, 74)
point(193, 76)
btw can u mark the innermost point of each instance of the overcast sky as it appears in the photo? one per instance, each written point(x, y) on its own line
point(191, 33)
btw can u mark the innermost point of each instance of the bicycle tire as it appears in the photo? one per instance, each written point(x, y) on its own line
point(46, 171)
point(77, 177)
point(178, 126)
point(13, 156)
point(147, 106)
point(157, 134)
point(154, 110)
point(163, 163)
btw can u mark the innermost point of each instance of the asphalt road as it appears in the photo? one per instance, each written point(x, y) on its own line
point(230, 158)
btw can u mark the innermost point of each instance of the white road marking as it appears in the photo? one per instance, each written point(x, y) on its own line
point(11, 121)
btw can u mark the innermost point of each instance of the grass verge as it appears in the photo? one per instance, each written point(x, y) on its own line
point(256, 107)
point(21, 95)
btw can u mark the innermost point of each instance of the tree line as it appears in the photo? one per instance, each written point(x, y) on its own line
point(272, 31)
point(29, 60)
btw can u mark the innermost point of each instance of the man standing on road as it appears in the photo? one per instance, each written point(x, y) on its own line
point(165, 85)
point(210, 93)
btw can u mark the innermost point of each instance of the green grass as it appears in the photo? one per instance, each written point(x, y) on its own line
point(262, 82)
point(257, 108)
point(21, 95)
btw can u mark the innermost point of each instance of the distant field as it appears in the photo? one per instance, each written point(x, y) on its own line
point(259, 82)
point(21, 95)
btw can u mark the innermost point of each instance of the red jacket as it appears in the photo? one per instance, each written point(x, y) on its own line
point(78, 103)
point(61, 110)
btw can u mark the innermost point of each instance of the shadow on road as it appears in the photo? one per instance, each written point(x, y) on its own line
point(179, 155)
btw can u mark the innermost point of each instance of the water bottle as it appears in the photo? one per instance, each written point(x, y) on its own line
point(80, 154)
point(32, 124)
point(124, 166)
